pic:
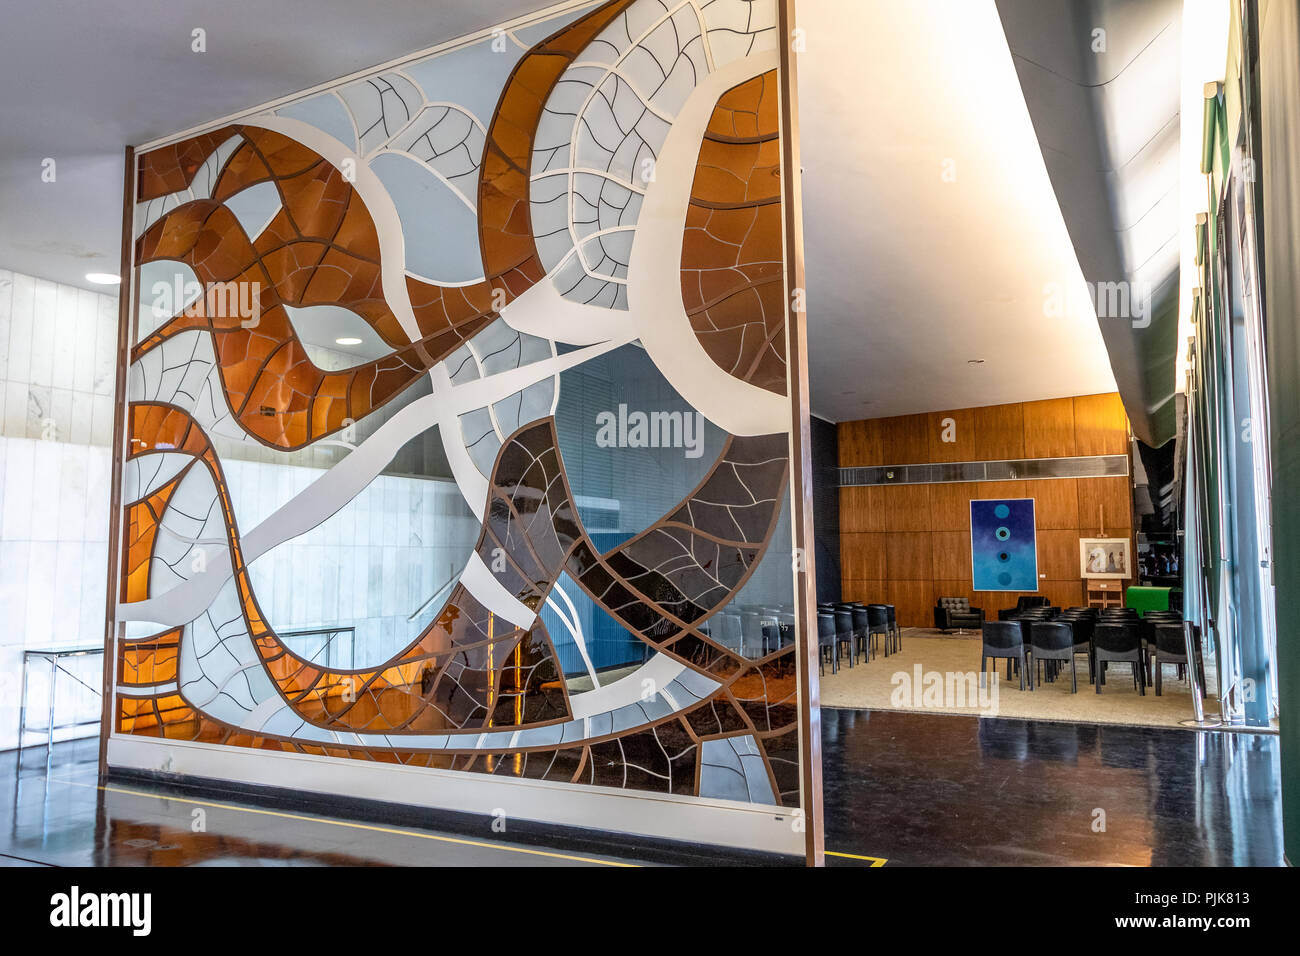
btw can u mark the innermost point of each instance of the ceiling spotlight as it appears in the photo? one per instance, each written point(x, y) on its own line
point(974, 362)
point(347, 341)
point(103, 278)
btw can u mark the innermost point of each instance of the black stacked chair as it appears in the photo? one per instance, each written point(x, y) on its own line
point(844, 633)
point(1171, 648)
point(1081, 622)
point(1023, 603)
point(751, 631)
point(1118, 643)
point(878, 624)
point(827, 645)
point(1004, 639)
point(1053, 641)
point(785, 626)
point(862, 627)
point(892, 616)
point(1117, 614)
point(769, 619)
point(1023, 622)
point(859, 623)
point(1028, 617)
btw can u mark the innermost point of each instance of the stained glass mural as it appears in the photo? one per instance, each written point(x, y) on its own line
point(458, 418)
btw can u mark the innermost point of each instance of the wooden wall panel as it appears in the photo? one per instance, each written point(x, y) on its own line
point(862, 508)
point(950, 505)
point(962, 431)
point(862, 555)
point(908, 556)
point(999, 489)
point(1056, 502)
point(1058, 555)
point(951, 555)
point(868, 592)
point(859, 443)
point(913, 601)
point(910, 544)
point(907, 507)
point(1063, 593)
point(1100, 425)
point(999, 433)
point(993, 601)
point(1112, 499)
point(957, 587)
point(1049, 428)
point(904, 440)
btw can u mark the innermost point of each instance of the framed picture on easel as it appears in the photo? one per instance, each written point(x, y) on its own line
point(1105, 558)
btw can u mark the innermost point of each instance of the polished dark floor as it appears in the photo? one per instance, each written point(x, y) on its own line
point(66, 819)
point(900, 788)
point(925, 789)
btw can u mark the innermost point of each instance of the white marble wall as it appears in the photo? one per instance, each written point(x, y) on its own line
point(369, 567)
point(57, 346)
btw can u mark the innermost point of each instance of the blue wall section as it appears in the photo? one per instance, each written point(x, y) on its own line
point(623, 490)
point(609, 644)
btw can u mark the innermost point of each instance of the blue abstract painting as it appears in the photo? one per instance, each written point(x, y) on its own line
point(1003, 548)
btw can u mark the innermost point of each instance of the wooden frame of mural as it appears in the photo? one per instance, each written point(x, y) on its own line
point(575, 163)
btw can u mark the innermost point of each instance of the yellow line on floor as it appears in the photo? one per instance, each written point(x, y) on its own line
point(358, 826)
point(875, 860)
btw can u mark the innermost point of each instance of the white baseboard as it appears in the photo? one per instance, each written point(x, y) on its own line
point(659, 816)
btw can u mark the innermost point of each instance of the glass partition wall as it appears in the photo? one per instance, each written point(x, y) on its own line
point(456, 463)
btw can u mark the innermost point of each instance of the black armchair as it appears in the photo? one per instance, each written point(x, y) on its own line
point(956, 612)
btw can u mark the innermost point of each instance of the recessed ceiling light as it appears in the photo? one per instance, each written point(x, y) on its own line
point(347, 341)
point(103, 278)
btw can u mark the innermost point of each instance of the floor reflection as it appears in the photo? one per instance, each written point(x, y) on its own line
point(927, 789)
point(915, 789)
point(65, 819)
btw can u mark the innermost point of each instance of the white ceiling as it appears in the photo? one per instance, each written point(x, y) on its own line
point(81, 80)
point(909, 276)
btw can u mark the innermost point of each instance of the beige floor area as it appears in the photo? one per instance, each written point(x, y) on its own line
point(938, 674)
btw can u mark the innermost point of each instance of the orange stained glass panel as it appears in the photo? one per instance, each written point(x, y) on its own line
point(732, 275)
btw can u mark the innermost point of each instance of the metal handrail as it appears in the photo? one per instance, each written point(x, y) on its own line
point(333, 632)
point(434, 596)
point(1192, 647)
